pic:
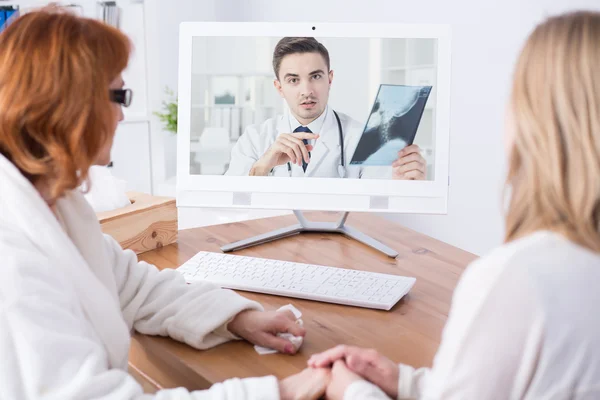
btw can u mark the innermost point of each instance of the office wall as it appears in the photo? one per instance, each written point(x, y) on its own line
point(487, 35)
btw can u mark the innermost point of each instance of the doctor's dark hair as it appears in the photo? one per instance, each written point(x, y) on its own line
point(297, 45)
point(56, 114)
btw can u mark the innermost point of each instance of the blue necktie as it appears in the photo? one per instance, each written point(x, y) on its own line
point(304, 129)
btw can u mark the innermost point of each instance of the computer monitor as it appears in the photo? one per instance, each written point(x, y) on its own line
point(239, 91)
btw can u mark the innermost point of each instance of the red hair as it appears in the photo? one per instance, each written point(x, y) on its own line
point(55, 108)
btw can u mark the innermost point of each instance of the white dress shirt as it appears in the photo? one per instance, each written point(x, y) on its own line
point(315, 126)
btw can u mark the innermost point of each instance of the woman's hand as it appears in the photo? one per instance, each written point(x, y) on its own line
point(309, 384)
point(262, 327)
point(367, 363)
point(341, 378)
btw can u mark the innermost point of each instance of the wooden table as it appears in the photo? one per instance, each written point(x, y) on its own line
point(409, 333)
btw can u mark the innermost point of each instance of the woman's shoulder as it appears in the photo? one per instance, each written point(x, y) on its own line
point(538, 253)
point(484, 272)
point(539, 247)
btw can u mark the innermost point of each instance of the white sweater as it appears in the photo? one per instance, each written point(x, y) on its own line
point(69, 299)
point(523, 325)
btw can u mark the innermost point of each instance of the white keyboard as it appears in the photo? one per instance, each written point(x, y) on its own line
point(304, 281)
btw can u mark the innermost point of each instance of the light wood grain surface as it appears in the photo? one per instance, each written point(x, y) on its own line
point(148, 223)
point(140, 202)
point(409, 333)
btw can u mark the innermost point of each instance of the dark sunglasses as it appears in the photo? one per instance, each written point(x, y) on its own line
point(121, 96)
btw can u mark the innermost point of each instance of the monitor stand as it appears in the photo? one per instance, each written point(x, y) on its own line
point(309, 226)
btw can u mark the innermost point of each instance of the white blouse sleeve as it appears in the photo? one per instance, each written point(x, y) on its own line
point(363, 390)
point(490, 342)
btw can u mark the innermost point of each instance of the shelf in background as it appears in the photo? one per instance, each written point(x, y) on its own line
point(409, 67)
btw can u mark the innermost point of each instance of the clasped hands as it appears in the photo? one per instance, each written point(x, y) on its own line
point(329, 373)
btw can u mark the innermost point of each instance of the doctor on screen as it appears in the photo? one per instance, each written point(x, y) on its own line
point(311, 139)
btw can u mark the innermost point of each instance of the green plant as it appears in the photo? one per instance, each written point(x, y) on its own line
point(169, 114)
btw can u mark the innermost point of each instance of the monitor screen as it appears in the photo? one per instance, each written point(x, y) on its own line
point(241, 105)
point(262, 106)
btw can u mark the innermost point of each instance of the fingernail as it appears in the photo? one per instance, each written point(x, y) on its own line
point(289, 348)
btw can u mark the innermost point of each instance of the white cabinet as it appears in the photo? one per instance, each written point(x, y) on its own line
point(228, 95)
point(131, 156)
point(135, 77)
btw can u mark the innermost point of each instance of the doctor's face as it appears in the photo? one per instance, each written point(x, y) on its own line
point(304, 83)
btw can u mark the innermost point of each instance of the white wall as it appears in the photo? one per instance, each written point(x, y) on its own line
point(487, 35)
point(346, 94)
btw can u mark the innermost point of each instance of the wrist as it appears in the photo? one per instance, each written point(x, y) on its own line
point(234, 325)
point(394, 382)
point(260, 168)
point(283, 393)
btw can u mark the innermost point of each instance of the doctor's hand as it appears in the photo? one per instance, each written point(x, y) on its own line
point(410, 164)
point(288, 147)
point(262, 327)
point(367, 363)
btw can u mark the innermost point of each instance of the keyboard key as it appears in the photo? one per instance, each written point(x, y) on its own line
point(388, 298)
point(361, 297)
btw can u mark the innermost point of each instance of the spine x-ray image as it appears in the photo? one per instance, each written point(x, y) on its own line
point(392, 124)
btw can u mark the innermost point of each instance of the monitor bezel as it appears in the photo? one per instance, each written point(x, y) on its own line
point(328, 194)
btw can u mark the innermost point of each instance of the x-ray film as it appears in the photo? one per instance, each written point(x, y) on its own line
point(392, 124)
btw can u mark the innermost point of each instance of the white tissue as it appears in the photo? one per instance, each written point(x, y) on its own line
point(107, 192)
point(296, 340)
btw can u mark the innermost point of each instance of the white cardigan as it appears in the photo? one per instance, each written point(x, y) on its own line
point(523, 325)
point(69, 299)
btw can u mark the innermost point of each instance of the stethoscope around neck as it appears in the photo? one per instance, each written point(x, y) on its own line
point(342, 167)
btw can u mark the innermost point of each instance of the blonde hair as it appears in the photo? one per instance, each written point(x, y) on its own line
point(554, 167)
point(55, 110)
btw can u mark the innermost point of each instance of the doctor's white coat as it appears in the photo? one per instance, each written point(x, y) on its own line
point(325, 157)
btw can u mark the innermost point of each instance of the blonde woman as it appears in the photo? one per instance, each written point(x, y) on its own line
point(69, 296)
point(524, 320)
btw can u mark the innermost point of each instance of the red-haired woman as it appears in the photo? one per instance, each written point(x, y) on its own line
point(70, 296)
